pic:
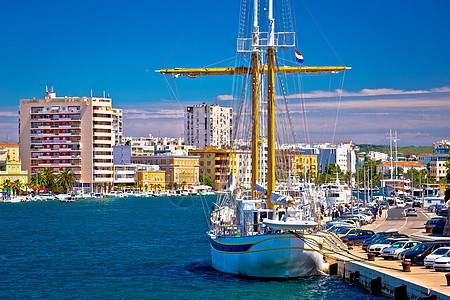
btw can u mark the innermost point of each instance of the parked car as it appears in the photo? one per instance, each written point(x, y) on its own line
point(411, 212)
point(386, 243)
point(395, 249)
point(417, 254)
point(439, 252)
point(400, 204)
point(443, 212)
point(380, 236)
point(409, 201)
point(417, 203)
point(442, 263)
point(359, 236)
point(438, 224)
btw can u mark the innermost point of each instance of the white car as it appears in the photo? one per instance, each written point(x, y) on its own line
point(439, 252)
point(442, 263)
point(377, 248)
point(395, 249)
point(400, 204)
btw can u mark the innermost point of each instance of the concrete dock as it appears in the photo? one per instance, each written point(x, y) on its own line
point(386, 277)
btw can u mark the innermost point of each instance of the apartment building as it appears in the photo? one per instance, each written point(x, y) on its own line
point(178, 169)
point(13, 173)
point(405, 165)
point(147, 146)
point(208, 125)
point(9, 152)
point(117, 124)
point(68, 132)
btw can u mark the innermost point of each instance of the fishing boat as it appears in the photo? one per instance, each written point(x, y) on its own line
point(269, 231)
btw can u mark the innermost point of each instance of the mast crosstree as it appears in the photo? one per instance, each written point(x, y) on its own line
point(258, 45)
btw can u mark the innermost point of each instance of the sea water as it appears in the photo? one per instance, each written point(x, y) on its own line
point(129, 248)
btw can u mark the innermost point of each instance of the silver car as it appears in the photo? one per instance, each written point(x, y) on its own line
point(395, 249)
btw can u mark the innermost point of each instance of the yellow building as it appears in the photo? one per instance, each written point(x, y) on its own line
point(215, 163)
point(179, 169)
point(8, 152)
point(152, 180)
point(296, 163)
point(13, 172)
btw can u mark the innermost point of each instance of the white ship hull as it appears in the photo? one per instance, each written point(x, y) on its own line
point(269, 255)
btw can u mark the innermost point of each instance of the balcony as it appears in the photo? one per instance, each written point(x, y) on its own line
point(102, 111)
point(56, 111)
point(103, 164)
point(103, 156)
point(107, 142)
point(100, 119)
point(105, 134)
point(100, 172)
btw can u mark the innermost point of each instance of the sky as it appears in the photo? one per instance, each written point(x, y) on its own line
point(398, 51)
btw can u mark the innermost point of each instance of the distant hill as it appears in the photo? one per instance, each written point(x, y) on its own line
point(402, 150)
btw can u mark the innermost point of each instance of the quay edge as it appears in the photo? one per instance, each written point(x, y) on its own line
point(392, 286)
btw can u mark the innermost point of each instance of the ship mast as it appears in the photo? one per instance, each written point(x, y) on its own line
point(255, 45)
point(255, 99)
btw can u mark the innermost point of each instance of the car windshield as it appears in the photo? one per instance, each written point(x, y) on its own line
point(398, 245)
point(440, 251)
point(446, 254)
point(342, 230)
point(420, 247)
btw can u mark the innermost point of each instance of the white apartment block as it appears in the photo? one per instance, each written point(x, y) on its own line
point(208, 125)
point(117, 123)
point(374, 155)
point(68, 132)
point(147, 146)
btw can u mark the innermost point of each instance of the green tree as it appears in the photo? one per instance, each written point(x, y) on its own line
point(205, 180)
point(17, 186)
point(48, 178)
point(66, 179)
point(7, 185)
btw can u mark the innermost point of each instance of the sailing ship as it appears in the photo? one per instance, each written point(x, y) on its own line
point(267, 231)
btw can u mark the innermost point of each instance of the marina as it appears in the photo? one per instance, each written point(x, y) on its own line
point(129, 248)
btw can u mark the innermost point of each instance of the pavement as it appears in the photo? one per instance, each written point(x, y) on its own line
point(394, 218)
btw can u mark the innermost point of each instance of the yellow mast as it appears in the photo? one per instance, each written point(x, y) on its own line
point(270, 124)
point(255, 120)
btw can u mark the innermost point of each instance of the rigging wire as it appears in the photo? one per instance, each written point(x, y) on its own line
point(318, 27)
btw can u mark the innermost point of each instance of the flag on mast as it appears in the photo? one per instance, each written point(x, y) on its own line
point(298, 56)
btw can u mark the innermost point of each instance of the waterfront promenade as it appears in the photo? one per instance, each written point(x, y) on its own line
point(419, 283)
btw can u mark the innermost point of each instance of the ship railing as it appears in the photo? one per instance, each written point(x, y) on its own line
point(240, 230)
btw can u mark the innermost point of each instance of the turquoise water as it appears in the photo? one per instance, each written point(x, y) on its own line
point(128, 248)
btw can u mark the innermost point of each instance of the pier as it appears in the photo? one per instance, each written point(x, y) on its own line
point(386, 277)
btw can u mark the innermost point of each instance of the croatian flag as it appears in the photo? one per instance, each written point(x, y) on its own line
point(298, 56)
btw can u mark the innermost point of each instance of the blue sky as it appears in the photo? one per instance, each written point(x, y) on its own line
point(398, 51)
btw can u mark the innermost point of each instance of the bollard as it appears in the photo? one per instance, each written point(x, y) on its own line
point(429, 229)
point(400, 292)
point(333, 269)
point(350, 245)
point(371, 256)
point(345, 241)
point(448, 279)
point(375, 286)
point(406, 266)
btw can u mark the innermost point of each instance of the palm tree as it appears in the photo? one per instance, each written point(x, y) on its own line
point(7, 184)
point(48, 180)
point(17, 186)
point(66, 179)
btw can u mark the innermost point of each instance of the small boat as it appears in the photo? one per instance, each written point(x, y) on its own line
point(68, 200)
point(289, 224)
